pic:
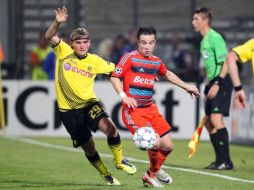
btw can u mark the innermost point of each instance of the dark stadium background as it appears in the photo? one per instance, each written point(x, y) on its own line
point(21, 22)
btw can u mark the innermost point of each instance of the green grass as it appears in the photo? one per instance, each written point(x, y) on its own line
point(28, 166)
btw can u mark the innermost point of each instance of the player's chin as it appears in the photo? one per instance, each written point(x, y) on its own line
point(196, 29)
point(147, 54)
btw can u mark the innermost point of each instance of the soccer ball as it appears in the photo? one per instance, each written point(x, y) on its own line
point(144, 138)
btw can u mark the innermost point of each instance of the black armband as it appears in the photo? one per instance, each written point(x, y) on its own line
point(238, 88)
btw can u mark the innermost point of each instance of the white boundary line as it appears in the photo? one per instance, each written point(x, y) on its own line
point(59, 147)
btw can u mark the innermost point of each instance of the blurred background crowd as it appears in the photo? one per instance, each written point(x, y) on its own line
point(112, 26)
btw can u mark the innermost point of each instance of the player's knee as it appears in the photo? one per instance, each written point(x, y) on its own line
point(89, 152)
point(167, 149)
point(111, 130)
point(168, 146)
point(216, 120)
point(107, 127)
point(208, 125)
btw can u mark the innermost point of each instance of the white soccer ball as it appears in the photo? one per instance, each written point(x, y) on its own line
point(144, 138)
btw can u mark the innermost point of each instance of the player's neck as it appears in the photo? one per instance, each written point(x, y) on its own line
point(205, 30)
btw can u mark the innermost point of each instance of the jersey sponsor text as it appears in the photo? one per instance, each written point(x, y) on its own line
point(141, 80)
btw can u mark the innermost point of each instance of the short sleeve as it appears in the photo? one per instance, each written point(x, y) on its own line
point(162, 69)
point(62, 49)
point(122, 66)
point(244, 51)
point(220, 49)
point(104, 67)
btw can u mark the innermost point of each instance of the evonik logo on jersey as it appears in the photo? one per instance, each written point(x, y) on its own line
point(69, 67)
point(141, 80)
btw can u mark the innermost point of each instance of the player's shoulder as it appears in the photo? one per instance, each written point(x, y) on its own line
point(127, 56)
point(215, 38)
point(94, 57)
point(247, 45)
point(97, 59)
point(215, 34)
point(134, 53)
point(62, 49)
point(62, 45)
point(59, 44)
point(156, 59)
point(251, 42)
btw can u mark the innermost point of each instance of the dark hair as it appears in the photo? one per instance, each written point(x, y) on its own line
point(146, 30)
point(205, 12)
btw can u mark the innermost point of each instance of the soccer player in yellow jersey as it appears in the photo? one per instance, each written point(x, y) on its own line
point(80, 109)
point(242, 54)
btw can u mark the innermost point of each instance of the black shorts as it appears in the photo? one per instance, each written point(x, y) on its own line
point(221, 102)
point(80, 122)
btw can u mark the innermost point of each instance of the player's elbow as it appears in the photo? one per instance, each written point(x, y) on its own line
point(48, 37)
point(114, 79)
point(168, 76)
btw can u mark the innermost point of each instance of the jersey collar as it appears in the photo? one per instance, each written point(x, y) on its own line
point(80, 58)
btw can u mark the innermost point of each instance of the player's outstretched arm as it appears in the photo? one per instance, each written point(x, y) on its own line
point(61, 16)
point(173, 78)
point(129, 101)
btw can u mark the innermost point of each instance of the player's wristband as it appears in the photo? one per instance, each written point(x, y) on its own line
point(218, 80)
point(238, 88)
point(122, 94)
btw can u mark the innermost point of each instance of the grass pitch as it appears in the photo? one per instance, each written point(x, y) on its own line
point(52, 164)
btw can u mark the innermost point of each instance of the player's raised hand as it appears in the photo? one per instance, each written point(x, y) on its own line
point(61, 14)
point(193, 91)
point(130, 102)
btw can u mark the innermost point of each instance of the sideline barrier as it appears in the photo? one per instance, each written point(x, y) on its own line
point(31, 108)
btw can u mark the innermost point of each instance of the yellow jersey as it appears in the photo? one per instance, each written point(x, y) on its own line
point(245, 52)
point(74, 77)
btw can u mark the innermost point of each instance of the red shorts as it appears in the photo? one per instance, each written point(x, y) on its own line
point(143, 117)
